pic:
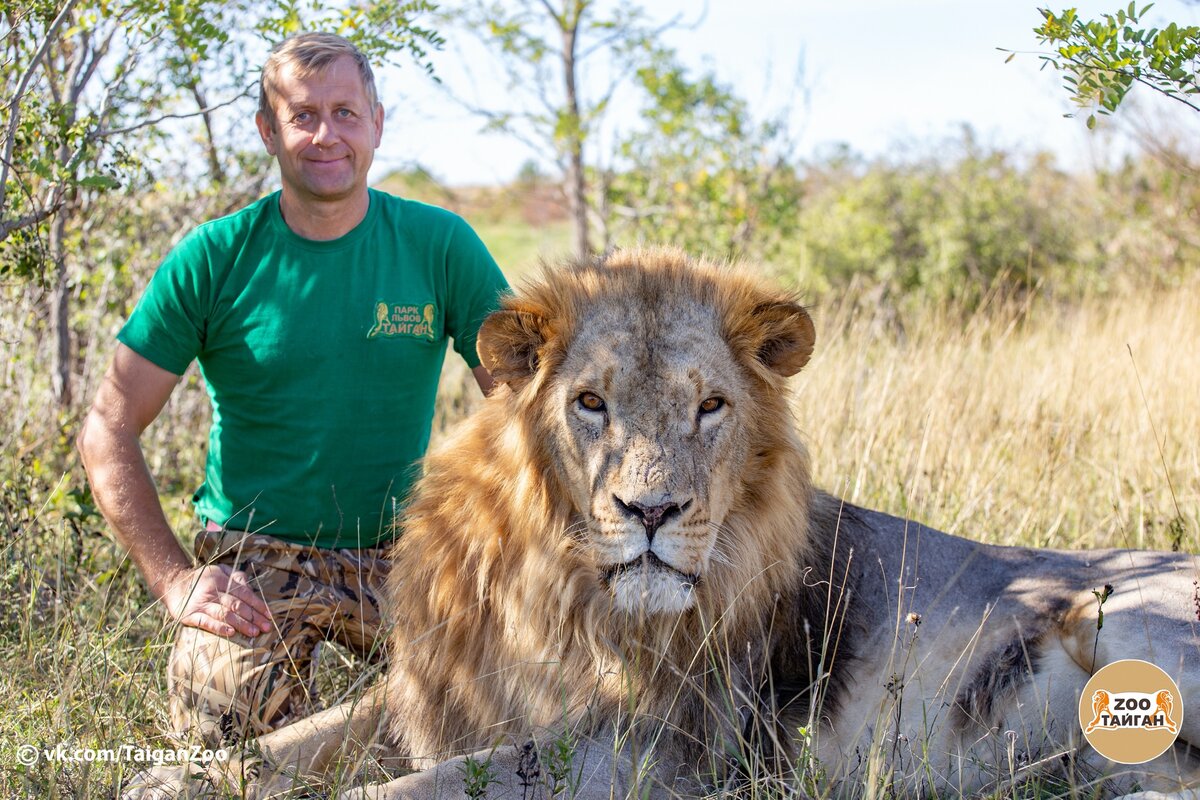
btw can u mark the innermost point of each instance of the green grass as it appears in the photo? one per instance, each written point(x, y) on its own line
point(518, 248)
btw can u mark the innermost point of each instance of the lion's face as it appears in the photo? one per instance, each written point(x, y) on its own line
point(648, 425)
point(645, 398)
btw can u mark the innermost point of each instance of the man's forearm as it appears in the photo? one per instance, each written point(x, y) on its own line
point(125, 493)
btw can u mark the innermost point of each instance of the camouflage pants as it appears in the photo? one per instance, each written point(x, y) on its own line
point(224, 689)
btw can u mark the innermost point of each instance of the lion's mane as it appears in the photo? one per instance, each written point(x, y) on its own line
point(502, 624)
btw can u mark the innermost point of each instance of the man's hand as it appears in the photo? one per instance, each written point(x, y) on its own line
point(214, 598)
point(218, 599)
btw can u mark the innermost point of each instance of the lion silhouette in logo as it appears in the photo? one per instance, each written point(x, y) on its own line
point(1101, 701)
point(616, 579)
point(1164, 706)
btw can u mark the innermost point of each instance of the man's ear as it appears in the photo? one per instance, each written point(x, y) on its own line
point(377, 118)
point(266, 130)
point(784, 336)
point(508, 345)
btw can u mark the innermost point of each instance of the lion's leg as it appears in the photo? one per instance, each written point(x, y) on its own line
point(307, 749)
point(596, 772)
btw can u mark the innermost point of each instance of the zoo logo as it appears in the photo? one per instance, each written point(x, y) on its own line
point(1130, 711)
point(412, 320)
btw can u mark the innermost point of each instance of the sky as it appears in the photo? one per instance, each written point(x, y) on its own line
point(885, 77)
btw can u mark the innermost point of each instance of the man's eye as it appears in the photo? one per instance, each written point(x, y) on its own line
point(302, 117)
point(345, 113)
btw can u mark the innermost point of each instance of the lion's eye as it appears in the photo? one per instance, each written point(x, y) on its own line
point(591, 402)
point(711, 404)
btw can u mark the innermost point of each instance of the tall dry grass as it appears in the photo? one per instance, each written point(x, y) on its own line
point(1053, 425)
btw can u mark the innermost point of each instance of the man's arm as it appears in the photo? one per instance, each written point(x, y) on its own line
point(216, 597)
point(484, 379)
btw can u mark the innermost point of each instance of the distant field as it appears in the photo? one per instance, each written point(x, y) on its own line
point(519, 225)
point(519, 248)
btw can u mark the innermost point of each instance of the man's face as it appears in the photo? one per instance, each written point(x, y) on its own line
point(325, 132)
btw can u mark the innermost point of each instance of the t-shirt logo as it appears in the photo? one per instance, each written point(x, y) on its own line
point(404, 319)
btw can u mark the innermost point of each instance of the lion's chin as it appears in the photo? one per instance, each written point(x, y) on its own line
point(648, 585)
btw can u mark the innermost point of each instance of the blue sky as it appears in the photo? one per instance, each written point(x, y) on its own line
point(883, 76)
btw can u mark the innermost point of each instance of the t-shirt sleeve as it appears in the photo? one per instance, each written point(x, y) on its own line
point(167, 325)
point(474, 285)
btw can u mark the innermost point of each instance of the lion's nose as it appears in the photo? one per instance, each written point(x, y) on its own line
point(651, 516)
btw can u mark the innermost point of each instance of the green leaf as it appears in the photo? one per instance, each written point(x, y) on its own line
point(1091, 122)
point(100, 182)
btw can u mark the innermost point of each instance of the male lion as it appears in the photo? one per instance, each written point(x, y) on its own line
point(617, 578)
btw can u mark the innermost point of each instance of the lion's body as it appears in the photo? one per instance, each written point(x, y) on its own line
point(509, 628)
point(981, 688)
point(623, 547)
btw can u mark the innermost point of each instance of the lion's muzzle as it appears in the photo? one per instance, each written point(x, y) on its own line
point(651, 516)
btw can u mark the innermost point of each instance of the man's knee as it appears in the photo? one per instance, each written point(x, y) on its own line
point(225, 689)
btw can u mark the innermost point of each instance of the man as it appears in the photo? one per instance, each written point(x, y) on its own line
point(319, 316)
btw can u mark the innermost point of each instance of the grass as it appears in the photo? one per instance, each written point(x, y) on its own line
point(1047, 423)
point(1022, 424)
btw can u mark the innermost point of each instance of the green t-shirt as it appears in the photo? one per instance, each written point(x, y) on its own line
point(321, 358)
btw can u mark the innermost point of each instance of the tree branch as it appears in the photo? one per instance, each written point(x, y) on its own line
point(1169, 94)
point(14, 105)
point(104, 133)
point(98, 53)
point(560, 21)
point(1084, 66)
point(33, 218)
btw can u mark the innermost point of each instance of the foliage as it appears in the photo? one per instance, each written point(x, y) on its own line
point(384, 30)
point(94, 93)
point(477, 776)
point(525, 40)
point(1104, 58)
point(964, 222)
point(90, 89)
point(702, 173)
point(562, 66)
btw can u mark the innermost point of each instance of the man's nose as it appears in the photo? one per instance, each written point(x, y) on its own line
point(326, 132)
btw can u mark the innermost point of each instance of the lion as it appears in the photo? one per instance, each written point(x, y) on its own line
point(617, 578)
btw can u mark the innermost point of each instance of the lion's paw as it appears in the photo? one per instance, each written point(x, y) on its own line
point(169, 783)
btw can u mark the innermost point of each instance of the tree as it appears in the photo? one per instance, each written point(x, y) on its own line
point(698, 170)
point(1104, 58)
point(92, 94)
point(701, 172)
point(541, 47)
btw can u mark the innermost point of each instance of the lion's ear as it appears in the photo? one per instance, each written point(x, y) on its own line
point(508, 344)
point(786, 336)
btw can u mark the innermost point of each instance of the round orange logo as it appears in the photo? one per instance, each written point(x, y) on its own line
point(1130, 711)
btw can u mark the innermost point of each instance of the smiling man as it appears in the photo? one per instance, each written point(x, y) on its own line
point(320, 317)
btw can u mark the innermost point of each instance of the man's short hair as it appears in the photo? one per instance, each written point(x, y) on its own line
point(310, 53)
